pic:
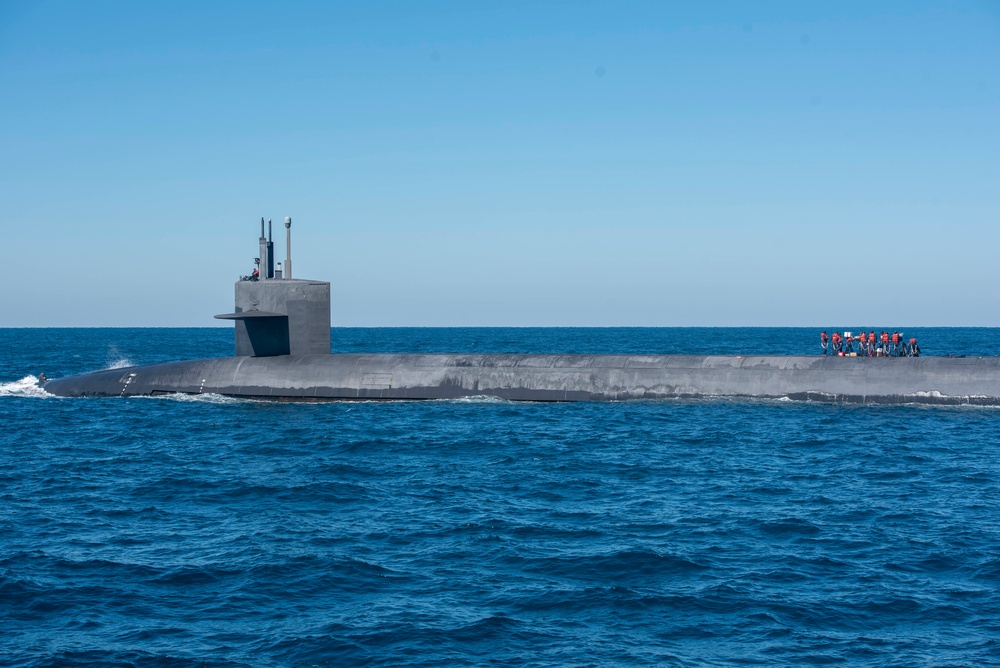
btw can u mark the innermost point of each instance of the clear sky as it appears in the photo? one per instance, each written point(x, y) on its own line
point(505, 163)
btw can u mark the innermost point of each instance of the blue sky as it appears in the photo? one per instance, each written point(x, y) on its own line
point(515, 163)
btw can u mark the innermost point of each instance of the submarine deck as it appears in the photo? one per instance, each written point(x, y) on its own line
point(520, 377)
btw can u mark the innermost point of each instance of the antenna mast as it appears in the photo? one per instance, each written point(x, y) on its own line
point(288, 246)
point(262, 258)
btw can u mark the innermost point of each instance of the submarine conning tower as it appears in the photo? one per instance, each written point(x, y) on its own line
point(277, 314)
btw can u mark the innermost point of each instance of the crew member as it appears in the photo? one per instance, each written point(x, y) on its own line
point(871, 343)
point(838, 343)
point(885, 342)
point(824, 341)
point(914, 348)
point(895, 344)
point(255, 276)
point(849, 340)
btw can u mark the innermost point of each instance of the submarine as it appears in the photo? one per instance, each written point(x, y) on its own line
point(282, 332)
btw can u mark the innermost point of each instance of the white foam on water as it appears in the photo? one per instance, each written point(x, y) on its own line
point(206, 398)
point(26, 387)
point(481, 399)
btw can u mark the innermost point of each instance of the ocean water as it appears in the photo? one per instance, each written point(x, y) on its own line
point(217, 532)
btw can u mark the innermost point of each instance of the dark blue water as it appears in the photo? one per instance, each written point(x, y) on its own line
point(214, 532)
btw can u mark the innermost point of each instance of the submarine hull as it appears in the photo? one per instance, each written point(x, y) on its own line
point(517, 377)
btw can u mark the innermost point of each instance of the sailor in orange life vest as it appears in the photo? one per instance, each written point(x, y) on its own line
point(824, 341)
point(838, 344)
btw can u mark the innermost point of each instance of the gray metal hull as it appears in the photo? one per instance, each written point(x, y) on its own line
point(934, 380)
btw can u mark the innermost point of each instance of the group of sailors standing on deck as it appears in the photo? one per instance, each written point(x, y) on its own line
point(883, 345)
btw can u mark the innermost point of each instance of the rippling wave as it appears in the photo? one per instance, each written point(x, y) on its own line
point(209, 531)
